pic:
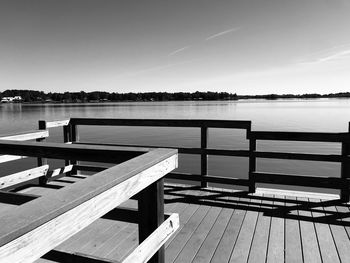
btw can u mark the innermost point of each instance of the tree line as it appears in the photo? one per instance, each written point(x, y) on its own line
point(101, 96)
point(98, 96)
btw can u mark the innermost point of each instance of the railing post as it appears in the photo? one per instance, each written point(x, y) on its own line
point(204, 156)
point(252, 161)
point(70, 134)
point(42, 161)
point(151, 214)
point(345, 168)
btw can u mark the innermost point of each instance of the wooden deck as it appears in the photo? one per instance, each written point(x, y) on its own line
point(225, 226)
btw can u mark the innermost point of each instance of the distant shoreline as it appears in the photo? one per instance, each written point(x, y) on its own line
point(32, 96)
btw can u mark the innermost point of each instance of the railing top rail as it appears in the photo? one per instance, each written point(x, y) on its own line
point(107, 154)
point(238, 124)
point(17, 221)
point(299, 136)
point(23, 136)
point(53, 124)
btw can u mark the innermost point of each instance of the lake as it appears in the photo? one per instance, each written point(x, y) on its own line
point(319, 115)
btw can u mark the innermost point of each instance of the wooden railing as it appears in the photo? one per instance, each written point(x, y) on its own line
point(39, 224)
point(253, 137)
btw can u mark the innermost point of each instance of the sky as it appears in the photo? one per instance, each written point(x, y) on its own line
point(236, 46)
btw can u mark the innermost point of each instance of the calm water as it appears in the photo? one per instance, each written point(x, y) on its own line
point(321, 115)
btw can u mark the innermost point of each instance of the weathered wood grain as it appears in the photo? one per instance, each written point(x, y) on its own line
point(25, 136)
point(17, 178)
point(258, 250)
point(309, 239)
point(293, 253)
point(69, 211)
point(54, 124)
point(229, 238)
point(328, 249)
point(157, 239)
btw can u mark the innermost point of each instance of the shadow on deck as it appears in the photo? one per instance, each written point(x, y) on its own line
point(220, 225)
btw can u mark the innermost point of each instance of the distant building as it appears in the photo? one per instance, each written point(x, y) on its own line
point(11, 99)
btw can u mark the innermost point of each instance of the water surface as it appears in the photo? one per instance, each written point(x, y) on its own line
point(319, 115)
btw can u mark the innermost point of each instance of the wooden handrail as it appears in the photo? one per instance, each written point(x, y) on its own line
point(25, 136)
point(22, 136)
point(41, 224)
point(108, 154)
point(234, 124)
point(299, 136)
point(54, 124)
point(253, 138)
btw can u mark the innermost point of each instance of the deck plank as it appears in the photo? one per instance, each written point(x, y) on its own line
point(259, 246)
point(229, 238)
point(209, 245)
point(241, 249)
point(198, 236)
point(309, 239)
point(178, 243)
point(328, 249)
point(235, 228)
point(340, 235)
point(275, 251)
point(293, 253)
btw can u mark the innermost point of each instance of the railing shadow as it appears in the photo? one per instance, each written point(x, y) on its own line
point(333, 212)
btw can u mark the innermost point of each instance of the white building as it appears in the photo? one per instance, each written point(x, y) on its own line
point(11, 99)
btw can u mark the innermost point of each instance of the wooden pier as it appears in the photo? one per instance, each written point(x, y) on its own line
point(95, 213)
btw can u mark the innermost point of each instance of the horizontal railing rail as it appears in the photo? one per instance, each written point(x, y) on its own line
point(299, 136)
point(252, 153)
point(341, 183)
point(236, 124)
point(203, 125)
point(39, 225)
point(22, 136)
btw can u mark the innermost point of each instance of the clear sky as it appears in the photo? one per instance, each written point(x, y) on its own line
point(238, 46)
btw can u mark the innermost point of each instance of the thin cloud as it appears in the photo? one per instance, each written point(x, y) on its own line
point(331, 54)
point(338, 55)
point(222, 33)
point(178, 51)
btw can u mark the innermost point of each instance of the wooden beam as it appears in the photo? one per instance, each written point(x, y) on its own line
point(204, 156)
point(25, 136)
point(30, 135)
point(302, 156)
point(345, 167)
point(71, 151)
point(156, 240)
point(299, 136)
point(17, 178)
point(8, 158)
point(235, 124)
point(151, 207)
point(252, 164)
point(42, 161)
point(46, 222)
point(182, 150)
point(54, 124)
